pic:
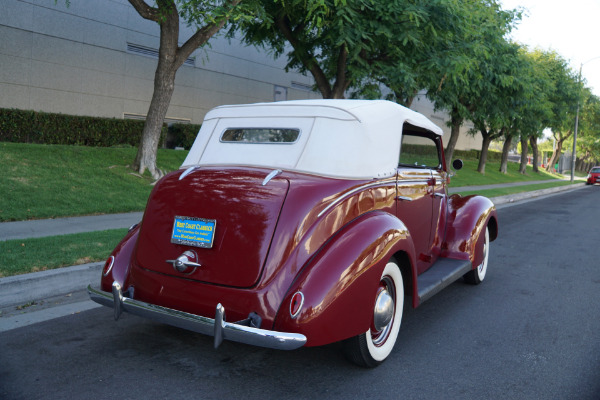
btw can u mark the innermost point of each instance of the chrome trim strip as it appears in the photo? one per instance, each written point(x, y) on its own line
point(407, 182)
point(352, 192)
point(197, 323)
point(112, 262)
point(272, 175)
point(187, 172)
point(294, 315)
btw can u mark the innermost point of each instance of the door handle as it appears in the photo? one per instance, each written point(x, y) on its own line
point(405, 198)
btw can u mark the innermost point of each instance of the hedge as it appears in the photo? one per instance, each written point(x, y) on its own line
point(26, 126)
point(462, 154)
point(492, 155)
point(182, 135)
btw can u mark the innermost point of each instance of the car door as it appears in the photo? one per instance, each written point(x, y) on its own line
point(421, 194)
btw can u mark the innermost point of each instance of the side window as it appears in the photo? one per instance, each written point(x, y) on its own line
point(419, 150)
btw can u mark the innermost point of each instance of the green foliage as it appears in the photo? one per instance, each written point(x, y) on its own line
point(352, 43)
point(588, 141)
point(467, 73)
point(199, 13)
point(26, 126)
point(563, 91)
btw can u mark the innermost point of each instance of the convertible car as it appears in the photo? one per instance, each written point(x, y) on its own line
point(301, 223)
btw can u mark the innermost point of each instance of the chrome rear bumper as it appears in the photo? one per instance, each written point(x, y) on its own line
point(217, 327)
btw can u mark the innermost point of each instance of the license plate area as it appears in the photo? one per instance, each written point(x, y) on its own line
point(192, 231)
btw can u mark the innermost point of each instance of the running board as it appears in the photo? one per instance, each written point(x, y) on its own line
point(441, 274)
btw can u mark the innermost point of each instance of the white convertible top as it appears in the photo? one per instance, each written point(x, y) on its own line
point(354, 139)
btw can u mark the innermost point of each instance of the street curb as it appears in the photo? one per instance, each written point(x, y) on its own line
point(513, 198)
point(21, 289)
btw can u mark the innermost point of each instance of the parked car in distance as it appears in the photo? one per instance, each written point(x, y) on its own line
point(302, 223)
point(593, 176)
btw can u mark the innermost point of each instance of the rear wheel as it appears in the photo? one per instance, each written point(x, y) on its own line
point(371, 348)
point(476, 276)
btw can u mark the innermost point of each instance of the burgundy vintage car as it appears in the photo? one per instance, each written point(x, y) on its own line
point(301, 223)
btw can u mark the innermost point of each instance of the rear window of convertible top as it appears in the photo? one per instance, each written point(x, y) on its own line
point(260, 135)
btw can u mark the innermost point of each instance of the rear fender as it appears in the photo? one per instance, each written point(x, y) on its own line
point(122, 260)
point(467, 219)
point(339, 284)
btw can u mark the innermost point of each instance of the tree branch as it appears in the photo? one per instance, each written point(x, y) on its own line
point(199, 38)
point(306, 58)
point(341, 80)
point(145, 10)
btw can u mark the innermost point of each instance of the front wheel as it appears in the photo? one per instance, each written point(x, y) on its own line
point(476, 276)
point(371, 348)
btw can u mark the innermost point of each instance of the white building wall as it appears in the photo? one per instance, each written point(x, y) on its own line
point(74, 60)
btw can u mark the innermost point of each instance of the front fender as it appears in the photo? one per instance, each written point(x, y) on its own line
point(340, 282)
point(467, 218)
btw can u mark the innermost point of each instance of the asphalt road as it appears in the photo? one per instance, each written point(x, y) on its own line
point(531, 330)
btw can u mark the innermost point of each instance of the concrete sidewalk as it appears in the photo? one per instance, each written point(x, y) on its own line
point(64, 226)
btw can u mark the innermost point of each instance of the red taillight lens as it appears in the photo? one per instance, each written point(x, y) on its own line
point(108, 265)
point(296, 304)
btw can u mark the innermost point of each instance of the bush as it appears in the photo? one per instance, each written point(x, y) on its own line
point(492, 155)
point(182, 135)
point(462, 154)
point(26, 126)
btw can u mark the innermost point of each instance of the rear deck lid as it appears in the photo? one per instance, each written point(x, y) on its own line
point(221, 219)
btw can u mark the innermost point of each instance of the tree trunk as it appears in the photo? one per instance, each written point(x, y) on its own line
point(485, 145)
point(164, 84)
point(505, 149)
point(555, 155)
point(170, 58)
point(454, 133)
point(524, 150)
point(534, 150)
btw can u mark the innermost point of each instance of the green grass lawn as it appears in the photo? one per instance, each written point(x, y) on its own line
point(49, 181)
point(30, 255)
point(468, 175)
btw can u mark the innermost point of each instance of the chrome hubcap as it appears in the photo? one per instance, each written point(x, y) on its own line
point(384, 310)
point(383, 314)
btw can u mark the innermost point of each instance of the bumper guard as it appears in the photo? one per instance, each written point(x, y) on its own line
point(217, 327)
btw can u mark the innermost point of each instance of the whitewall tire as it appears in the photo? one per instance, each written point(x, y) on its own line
point(371, 348)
